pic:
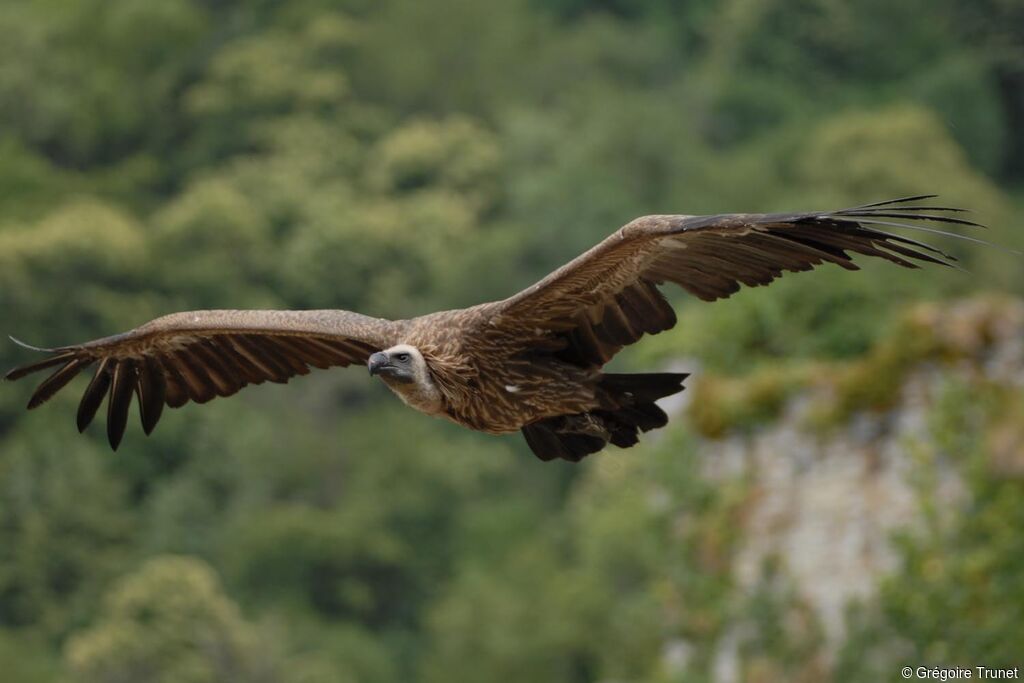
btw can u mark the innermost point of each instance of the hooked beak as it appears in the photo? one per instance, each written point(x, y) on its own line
point(377, 362)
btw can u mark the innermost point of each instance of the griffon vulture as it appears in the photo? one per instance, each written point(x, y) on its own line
point(529, 363)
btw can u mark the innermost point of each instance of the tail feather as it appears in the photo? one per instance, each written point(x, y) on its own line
point(645, 416)
point(630, 409)
point(549, 441)
point(643, 387)
point(544, 442)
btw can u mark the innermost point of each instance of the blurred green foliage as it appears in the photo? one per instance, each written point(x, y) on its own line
point(169, 621)
point(397, 157)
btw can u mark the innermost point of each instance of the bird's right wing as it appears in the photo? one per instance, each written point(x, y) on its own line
point(198, 355)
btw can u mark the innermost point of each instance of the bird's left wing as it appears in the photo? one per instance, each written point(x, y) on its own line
point(607, 297)
point(198, 355)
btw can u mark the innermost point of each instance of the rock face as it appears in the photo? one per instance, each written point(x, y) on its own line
point(827, 508)
point(827, 500)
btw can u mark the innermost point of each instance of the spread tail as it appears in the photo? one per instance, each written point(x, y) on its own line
point(631, 409)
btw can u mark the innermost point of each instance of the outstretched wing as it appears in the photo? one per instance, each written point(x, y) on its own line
point(607, 297)
point(198, 355)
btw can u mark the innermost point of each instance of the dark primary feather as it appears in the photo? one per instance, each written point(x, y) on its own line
point(19, 372)
point(55, 382)
point(151, 391)
point(121, 381)
point(898, 200)
point(94, 394)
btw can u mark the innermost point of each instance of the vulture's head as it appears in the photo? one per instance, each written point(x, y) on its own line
point(402, 364)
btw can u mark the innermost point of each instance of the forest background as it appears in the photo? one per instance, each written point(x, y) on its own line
point(397, 157)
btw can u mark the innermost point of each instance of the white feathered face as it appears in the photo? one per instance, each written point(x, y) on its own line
point(401, 364)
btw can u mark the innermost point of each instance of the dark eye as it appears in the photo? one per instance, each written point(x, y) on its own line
point(402, 357)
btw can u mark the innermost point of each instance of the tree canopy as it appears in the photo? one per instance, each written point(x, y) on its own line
point(398, 157)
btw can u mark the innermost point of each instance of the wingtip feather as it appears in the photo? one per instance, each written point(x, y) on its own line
point(30, 347)
point(898, 200)
point(20, 371)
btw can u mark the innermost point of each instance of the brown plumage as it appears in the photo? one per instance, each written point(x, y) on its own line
point(531, 362)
